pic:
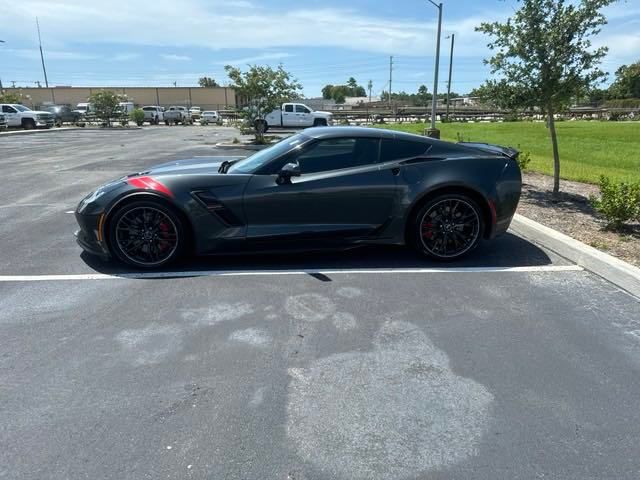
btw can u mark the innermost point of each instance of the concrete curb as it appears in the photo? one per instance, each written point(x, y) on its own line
point(620, 273)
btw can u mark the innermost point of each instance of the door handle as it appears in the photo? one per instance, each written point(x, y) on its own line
point(395, 171)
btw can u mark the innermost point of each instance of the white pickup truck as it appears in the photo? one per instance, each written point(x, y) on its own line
point(294, 115)
point(20, 116)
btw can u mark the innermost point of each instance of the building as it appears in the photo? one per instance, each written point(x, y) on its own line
point(217, 98)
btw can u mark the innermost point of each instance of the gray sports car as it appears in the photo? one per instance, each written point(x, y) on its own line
point(326, 187)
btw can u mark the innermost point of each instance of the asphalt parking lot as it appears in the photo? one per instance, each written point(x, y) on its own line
point(367, 364)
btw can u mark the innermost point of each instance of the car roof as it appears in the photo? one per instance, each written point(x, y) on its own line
point(342, 132)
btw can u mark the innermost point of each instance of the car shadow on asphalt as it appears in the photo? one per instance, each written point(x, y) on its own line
point(506, 251)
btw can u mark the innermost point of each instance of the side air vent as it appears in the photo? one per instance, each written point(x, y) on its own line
point(216, 207)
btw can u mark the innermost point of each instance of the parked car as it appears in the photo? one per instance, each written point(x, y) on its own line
point(83, 108)
point(294, 115)
point(3, 122)
point(195, 112)
point(126, 107)
point(210, 116)
point(21, 116)
point(175, 115)
point(63, 114)
point(153, 114)
point(323, 187)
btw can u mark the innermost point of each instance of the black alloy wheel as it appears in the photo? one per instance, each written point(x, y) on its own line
point(146, 234)
point(449, 227)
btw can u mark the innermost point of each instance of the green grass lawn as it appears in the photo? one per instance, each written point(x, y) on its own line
point(588, 149)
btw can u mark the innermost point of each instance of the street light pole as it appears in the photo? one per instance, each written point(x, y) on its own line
point(433, 132)
point(1, 41)
point(453, 37)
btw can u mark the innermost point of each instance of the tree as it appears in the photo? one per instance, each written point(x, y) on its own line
point(264, 89)
point(10, 97)
point(627, 82)
point(326, 92)
point(207, 82)
point(352, 84)
point(105, 104)
point(544, 56)
point(423, 95)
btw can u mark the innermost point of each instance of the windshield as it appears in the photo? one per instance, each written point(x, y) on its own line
point(259, 159)
point(22, 108)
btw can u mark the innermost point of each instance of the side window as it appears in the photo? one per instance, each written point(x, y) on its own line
point(8, 109)
point(301, 109)
point(399, 149)
point(338, 153)
point(288, 108)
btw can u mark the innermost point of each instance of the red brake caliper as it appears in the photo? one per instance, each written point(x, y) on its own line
point(427, 230)
point(164, 227)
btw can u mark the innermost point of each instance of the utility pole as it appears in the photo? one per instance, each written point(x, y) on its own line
point(1, 41)
point(453, 38)
point(13, 84)
point(46, 82)
point(390, 78)
point(433, 131)
point(370, 86)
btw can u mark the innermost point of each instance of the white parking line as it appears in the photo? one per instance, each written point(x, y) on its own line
point(261, 273)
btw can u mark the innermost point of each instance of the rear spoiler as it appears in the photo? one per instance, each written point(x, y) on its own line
point(508, 152)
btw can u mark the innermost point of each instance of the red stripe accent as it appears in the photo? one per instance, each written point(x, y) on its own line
point(148, 183)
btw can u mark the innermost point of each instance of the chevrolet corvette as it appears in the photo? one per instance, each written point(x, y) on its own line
point(325, 187)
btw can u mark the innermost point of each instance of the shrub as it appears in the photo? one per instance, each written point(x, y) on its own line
point(524, 158)
point(137, 116)
point(618, 202)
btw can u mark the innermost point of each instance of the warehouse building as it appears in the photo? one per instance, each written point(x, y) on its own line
point(217, 98)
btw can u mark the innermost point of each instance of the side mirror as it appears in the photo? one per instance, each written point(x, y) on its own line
point(288, 171)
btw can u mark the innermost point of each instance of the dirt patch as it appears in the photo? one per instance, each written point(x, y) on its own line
point(573, 215)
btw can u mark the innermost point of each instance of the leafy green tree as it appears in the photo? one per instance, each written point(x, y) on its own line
point(627, 82)
point(351, 83)
point(207, 82)
point(327, 91)
point(423, 95)
point(338, 96)
point(105, 104)
point(544, 55)
point(11, 97)
point(264, 89)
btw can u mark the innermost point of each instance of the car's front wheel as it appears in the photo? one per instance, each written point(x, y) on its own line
point(146, 234)
point(448, 227)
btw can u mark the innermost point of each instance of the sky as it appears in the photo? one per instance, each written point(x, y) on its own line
point(159, 42)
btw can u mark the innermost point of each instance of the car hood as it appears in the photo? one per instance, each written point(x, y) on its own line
point(326, 114)
point(205, 165)
point(39, 112)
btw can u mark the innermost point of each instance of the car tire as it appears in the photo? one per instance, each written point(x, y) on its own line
point(166, 122)
point(28, 124)
point(161, 244)
point(318, 122)
point(448, 227)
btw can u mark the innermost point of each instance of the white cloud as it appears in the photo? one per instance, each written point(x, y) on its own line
point(178, 58)
point(123, 57)
point(34, 54)
point(238, 24)
point(256, 58)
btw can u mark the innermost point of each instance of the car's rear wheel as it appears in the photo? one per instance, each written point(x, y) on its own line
point(146, 234)
point(448, 227)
